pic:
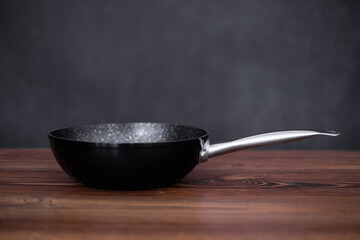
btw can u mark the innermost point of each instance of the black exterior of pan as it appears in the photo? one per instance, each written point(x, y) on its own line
point(144, 163)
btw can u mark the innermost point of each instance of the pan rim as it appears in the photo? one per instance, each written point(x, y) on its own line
point(52, 136)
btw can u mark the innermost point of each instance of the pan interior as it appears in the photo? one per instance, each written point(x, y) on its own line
point(116, 133)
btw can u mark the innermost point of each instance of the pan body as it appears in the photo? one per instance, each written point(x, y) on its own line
point(128, 156)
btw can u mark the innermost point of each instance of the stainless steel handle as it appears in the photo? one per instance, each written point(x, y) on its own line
point(265, 139)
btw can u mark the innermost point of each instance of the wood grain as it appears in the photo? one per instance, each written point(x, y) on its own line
point(244, 195)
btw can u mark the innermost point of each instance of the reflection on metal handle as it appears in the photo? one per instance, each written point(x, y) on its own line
point(265, 139)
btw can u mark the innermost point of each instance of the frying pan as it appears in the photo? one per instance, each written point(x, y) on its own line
point(132, 156)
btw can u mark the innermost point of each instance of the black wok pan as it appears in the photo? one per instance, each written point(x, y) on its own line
point(146, 155)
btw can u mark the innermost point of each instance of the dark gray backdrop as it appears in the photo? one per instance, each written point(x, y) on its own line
point(234, 68)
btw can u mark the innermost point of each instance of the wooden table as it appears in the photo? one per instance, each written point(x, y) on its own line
point(244, 195)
